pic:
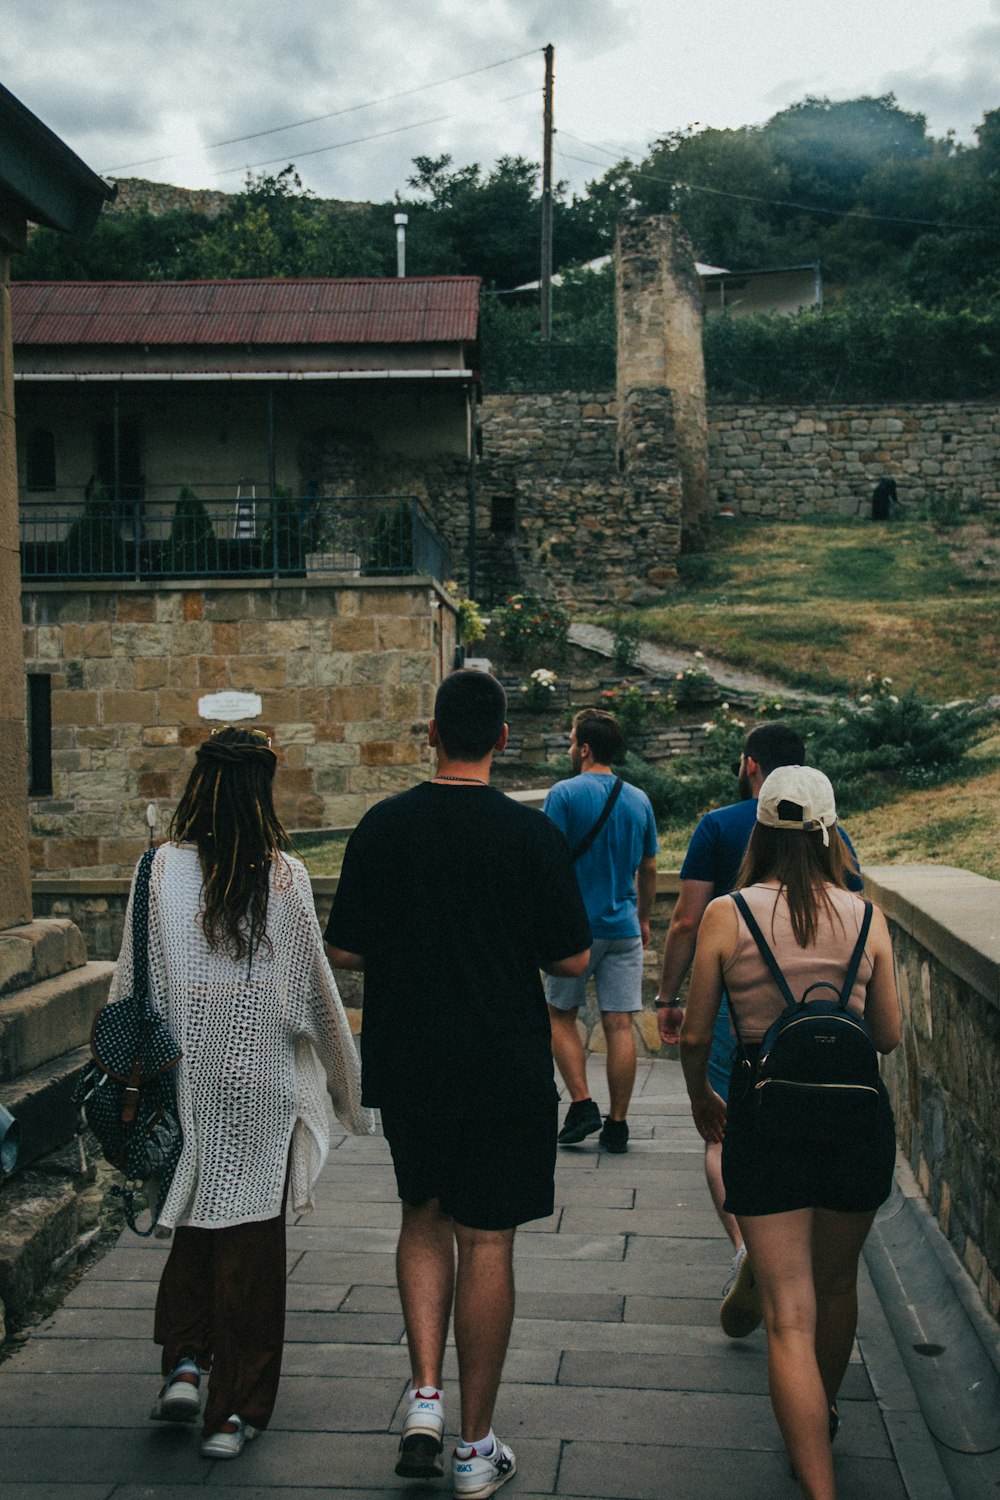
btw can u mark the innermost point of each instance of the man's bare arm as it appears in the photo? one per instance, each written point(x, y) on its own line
point(682, 935)
point(340, 958)
point(645, 889)
point(569, 968)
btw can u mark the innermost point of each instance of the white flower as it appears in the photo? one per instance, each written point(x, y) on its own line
point(893, 698)
point(724, 707)
point(699, 656)
point(865, 698)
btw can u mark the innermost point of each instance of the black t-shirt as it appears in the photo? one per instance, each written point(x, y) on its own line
point(456, 895)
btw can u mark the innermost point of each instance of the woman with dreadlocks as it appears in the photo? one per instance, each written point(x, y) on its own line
point(237, 969)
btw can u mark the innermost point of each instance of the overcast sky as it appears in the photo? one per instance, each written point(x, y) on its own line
point(153, 90)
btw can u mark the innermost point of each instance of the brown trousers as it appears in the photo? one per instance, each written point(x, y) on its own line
point(221, 1302)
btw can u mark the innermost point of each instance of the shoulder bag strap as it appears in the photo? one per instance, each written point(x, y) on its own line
point(581, 848)
point(140, 931)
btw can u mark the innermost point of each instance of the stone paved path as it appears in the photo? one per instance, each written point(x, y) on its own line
point(665, 663)
point(619, 1383)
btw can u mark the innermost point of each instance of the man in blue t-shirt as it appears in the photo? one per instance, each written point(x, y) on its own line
point(616, 871)
point(710, 869)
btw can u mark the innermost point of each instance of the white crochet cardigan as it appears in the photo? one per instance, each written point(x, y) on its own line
point(250, 1084)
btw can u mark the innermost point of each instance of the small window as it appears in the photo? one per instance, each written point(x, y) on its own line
point(39, 734)
point(41, 459)
point(503, 514)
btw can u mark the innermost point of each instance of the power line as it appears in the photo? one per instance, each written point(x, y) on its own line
point(358, 140)
point(333, 114)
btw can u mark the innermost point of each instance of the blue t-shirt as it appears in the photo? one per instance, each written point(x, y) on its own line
point(719, 843)
point(606, 872)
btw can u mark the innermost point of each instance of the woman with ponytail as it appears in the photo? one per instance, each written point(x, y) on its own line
point(237, 969)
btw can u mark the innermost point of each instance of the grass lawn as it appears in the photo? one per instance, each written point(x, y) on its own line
point(819, 604)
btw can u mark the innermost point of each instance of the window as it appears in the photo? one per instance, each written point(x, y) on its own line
point(39, 734)
point(40, 459)
point(503, 514)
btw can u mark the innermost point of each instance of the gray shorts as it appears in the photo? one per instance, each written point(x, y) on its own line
point(616, 968)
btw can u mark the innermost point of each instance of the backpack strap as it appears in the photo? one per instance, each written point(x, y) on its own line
point(581, 848)
point(772, 962)
point(765, 952)
point(856, 957)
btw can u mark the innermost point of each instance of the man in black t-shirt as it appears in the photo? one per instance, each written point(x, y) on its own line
point(451, 898)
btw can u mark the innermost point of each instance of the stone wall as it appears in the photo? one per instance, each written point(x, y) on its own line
point(797, 461)
point(945, 1077)
point(586, 528)
point(346, 673)
point(587, 525)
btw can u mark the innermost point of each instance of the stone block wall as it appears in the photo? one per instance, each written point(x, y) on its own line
point(346, 673)
point(784, 462)
point(944, 1079)
point(591, 524)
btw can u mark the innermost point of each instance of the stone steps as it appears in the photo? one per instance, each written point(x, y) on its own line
point(42, 1101)
point(39, 950)
point(50, 1018)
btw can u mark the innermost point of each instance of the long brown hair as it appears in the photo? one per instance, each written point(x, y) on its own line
point(227, 811)
point(803, 867)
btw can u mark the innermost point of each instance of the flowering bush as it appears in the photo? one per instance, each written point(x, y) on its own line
point(723, 718)
point(874, 688)
point(524, 623)
point(634, 709)
point(695, 682)
point(538, 689)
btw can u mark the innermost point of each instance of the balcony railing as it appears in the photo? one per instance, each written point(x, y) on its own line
point(365, 536)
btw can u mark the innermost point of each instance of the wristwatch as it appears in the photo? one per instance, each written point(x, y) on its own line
point(675, 1004)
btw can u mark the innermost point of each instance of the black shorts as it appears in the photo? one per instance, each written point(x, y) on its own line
point(775, 1177)
point(490, 1173)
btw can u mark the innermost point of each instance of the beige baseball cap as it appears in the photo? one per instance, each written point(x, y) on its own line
point(804, 787)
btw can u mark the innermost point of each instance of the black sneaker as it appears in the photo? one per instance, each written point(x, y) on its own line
point(614, 1136)
point(582, 1118)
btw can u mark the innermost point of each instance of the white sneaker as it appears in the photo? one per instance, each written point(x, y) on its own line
point(422, 1437)
point(741, 1311)
point(230, 1439)
point(475, 1476)
point(179, 1399)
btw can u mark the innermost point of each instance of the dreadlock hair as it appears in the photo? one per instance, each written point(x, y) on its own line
point(227, 811)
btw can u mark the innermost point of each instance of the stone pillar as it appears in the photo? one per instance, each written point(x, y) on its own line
point(658, 306)
point(15, 874)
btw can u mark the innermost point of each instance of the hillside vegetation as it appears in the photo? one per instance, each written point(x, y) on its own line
point(820, 604)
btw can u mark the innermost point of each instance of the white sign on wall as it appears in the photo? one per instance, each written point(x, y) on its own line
point(230, 707)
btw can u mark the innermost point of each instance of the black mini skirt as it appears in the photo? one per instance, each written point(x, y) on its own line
point(851, 1175)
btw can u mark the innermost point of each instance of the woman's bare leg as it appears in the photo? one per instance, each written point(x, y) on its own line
point(837, 1242)
point(781, 1249)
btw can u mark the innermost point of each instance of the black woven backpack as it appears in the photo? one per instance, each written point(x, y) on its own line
point(816, 1073)
point(127, 1094)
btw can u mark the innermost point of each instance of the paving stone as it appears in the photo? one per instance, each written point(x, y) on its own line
point(344, 1328)
point(650, 1472)
point(371, 1270)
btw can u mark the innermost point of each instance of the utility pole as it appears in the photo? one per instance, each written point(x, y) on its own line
point(546, 276)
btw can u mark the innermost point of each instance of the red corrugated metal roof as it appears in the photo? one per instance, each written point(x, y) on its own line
point(411, 310)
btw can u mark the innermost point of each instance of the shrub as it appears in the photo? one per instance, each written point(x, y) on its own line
point(191, 543)
point(627, 631)
point(525, 624)
point(538, 689)
point(94, 543)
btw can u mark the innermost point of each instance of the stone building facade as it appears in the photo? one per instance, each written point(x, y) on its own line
point(346, 677)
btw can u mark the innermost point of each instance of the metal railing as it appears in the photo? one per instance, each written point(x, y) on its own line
point(360, 536)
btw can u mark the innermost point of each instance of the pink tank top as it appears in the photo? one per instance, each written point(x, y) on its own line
point(752, 991)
